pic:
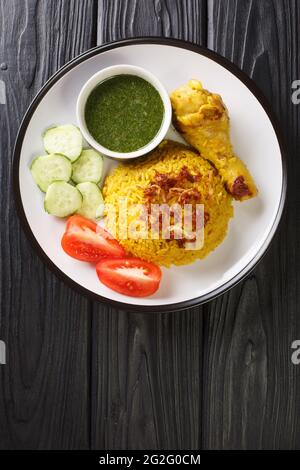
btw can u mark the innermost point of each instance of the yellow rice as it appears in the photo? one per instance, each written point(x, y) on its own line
point(130, 179)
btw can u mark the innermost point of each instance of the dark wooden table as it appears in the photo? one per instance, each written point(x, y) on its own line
point(82, 375)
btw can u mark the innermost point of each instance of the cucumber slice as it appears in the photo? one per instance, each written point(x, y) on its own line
point(92, 202)
point(49, 168)
point(88, 167)
point(66, 140)
point(100, 211)
point(62, 199)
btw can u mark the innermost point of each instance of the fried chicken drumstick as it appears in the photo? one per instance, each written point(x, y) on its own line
point(202, 118)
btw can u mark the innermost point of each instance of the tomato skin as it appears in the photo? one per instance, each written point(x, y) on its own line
point(122, 276)
point(86, 241)
point(78, 221)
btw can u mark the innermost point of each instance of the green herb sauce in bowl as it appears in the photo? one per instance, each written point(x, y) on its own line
point(124, 113)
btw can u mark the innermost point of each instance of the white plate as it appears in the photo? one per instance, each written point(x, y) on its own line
point(255, 137)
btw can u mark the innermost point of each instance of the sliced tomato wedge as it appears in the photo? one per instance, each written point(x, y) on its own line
point(129, 276)
point(86, 241)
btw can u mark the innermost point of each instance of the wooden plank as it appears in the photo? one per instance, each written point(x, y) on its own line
point(147, 380)
point(146, 384)
point(250, 383)
point(119, 19)
point(44, 388)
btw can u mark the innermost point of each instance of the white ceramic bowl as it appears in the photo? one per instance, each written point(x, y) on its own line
point(110, 72)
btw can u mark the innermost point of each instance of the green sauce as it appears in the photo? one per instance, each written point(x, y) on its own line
point(124, 113)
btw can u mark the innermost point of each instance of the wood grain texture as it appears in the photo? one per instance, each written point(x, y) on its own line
point(119, 19)
point(146, 384)
point(44, 388)
point(250, 384)
point(147, 381)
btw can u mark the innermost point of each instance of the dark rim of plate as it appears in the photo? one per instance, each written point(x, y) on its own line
point(167, 42)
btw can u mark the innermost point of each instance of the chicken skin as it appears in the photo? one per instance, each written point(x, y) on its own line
point(202, 118)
